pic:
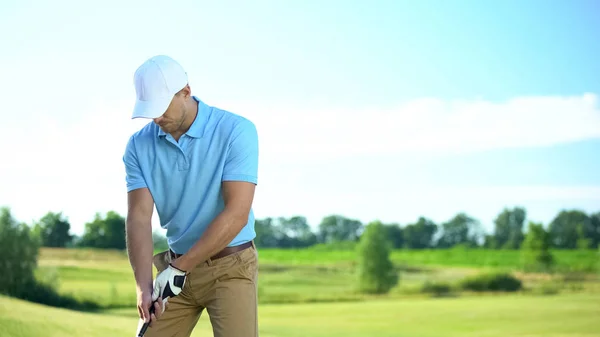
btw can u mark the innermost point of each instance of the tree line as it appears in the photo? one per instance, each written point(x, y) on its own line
point(20, 242)
point(569, 229)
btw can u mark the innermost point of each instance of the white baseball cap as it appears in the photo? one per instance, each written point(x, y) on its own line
point(156, 81)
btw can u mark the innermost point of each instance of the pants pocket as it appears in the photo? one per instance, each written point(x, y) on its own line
point(247, 263)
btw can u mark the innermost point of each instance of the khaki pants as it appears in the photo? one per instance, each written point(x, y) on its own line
point(225, 287)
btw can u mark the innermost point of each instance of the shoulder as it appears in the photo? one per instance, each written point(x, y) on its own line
point(143, 136)
point(232, 125)
point(147, 133)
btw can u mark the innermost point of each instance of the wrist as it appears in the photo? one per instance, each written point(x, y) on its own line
point(144, 288)
point(182, 264)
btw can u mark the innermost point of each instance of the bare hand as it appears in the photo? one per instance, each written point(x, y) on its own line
point(145, 302)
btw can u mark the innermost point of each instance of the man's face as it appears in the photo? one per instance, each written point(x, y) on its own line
point(173, 118)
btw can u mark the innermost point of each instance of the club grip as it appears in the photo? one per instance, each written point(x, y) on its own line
point(146, 324)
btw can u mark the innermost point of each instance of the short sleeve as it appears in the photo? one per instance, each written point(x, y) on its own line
point(241, 163)
point(133, 172)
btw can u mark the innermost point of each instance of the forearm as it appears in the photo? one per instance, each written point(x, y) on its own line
point(140, 251)
point(220, 232)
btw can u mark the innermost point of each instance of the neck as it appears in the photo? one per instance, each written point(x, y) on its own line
point(192, 108)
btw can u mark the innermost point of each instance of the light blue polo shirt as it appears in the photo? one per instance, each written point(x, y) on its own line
point(185, 177)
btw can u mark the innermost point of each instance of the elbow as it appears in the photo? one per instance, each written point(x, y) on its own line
point(135, 223)
point(239, 219)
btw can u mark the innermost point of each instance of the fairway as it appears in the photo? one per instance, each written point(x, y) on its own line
point(105, 276)
point(291, 290)
point(490, 316)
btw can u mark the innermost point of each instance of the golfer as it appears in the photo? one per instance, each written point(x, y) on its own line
point(197, 165)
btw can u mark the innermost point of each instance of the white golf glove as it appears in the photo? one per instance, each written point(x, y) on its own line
point(168, 283)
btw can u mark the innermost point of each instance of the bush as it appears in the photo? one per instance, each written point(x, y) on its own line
point(376, 272)
point(18, 254)
point(437, 289)
point(536, 255)
point(19, 249)
point(492, 282)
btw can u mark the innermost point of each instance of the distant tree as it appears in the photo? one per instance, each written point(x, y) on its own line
point(376, 272)
point(420, 235)
point(583, 241)
point(75, 241)
point(108, 232)
point(489, 241)
point(535, 250)
point(461, 230)
point(569, 227)
point(295, 232)
point(265, 233)
point(508, 228)
point(394, 233)
point(338, 228)
point(19, 249)
point(282, 232)
point(594, 231)
point(53, 230)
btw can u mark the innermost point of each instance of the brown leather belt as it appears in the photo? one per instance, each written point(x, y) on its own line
point(225, 252)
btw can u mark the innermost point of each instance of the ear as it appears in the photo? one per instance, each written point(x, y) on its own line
point(186, 92)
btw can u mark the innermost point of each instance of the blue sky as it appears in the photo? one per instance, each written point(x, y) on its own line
point(372, 102)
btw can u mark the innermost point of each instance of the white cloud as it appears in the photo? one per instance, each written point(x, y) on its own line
point(75, 165)
point(427, 125)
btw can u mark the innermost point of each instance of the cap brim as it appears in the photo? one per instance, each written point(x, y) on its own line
point(151, 109)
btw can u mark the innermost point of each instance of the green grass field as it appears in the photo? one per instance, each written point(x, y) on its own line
point(489, 316)
point(311, 293)
point(310, 275)
point(567, 260)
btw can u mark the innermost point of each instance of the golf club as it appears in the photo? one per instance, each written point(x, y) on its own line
point(146, 324)
point(177, 281)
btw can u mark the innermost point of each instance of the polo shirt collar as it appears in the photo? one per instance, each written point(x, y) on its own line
point(196, 130)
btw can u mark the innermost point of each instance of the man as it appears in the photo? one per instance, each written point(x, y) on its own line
point(198, 166)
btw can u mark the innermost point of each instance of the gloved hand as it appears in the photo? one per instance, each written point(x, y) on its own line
point(168, 283)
